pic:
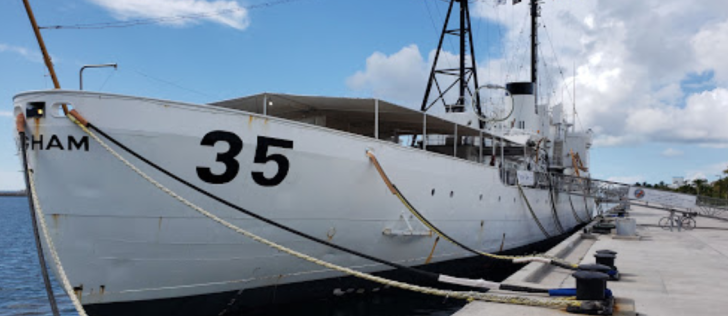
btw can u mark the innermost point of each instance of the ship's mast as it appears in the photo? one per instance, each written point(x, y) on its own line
point(463, 73)
point(41, 44)
point(535, 13)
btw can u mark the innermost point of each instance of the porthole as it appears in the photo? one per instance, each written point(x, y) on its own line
point(433, 192)
point(451, 193)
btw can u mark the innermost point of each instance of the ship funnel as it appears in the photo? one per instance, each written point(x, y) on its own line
point(525, 115)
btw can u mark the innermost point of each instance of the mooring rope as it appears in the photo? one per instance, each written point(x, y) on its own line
point(20, 126)
point(516, 259)
point(586, 206)
point(557, 222)
point(552, 303)
point(533, 214)
point(573, 210)
point(65, 283)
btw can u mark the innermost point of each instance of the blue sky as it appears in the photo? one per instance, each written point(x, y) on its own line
point(373, 48)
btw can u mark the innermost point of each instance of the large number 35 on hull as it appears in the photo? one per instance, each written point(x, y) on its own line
point(232, 166)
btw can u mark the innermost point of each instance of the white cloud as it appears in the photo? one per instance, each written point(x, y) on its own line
point(694, 176)
point(702, 120)
point(6, 114)
point(627, 179)
point(402, 76)
point(710, 46)
point(630, 57)
point(712, 171)
point(179, 12)
point(22, 51)
point(671, 152)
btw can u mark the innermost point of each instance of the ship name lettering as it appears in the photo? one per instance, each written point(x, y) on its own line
point(54, 142)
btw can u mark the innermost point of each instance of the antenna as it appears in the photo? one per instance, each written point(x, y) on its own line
point(535, 13)
point(573, 114)
point(463, 73)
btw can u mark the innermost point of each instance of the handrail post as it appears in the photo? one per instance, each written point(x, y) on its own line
point(376, 118)
point(455, 142)
point(480, 147)
point(424, 131)
point(492, 147)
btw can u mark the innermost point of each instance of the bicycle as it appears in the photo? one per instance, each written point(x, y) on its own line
point(686, 222)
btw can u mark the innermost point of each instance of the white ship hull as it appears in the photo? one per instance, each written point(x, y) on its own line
point(122, 240)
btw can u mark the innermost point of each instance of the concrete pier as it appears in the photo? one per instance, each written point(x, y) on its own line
point(663, 272)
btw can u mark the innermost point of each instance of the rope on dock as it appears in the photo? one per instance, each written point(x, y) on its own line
point(515, 259)
point(470, 295)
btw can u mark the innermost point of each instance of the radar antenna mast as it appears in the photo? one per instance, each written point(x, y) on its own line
point(535, 13)
point(464, 73)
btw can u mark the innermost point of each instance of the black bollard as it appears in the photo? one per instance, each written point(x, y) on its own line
point(590, 285)
point(594, 267)
point(606, 259)
point(611, 252)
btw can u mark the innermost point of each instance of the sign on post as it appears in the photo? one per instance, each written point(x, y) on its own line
point(526, 178)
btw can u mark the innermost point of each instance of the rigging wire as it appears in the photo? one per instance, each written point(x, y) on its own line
point(556, 58)
point(549, 82)
point(449, 40)
point(107, 80)
point(437, 32)
point(166, 19)
point(173, 84)
point(432, 20)
point(520, 44)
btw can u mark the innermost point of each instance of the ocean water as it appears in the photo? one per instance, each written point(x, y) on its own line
point(21, 284)
point(22, 291)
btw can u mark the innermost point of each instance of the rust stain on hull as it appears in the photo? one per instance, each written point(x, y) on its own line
point(56, 218)
point(503, 242)
point(78, 291)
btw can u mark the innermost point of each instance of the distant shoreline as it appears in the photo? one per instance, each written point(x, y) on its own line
point(15, 193)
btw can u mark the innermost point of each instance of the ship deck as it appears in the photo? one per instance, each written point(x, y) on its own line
point(663, 272)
